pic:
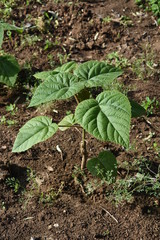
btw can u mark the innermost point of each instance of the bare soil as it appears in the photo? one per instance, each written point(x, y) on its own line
point(78, 32)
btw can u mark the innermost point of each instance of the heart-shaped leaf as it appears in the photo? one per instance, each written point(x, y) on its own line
point(107, 117)
point(60, 86)
point(104, 166)
point(97, 73)
point(67, 67)
point(36, 130)
point(9, 69)
point(67, 122)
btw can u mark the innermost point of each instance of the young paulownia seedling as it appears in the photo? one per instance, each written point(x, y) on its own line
point(106, 117)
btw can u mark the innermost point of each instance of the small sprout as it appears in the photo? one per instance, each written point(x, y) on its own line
point(150, 105)
point(13, 183)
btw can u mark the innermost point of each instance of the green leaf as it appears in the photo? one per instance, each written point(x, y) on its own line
point(67, 122)
point(10, 27)
point(103, 80)
point(9, 69)
point(36, 130)
point(60, 86)
point(43, 75)
point(107, 117)
point(104, 166)
point(67, 67)
point(97, 73)
point(136, 109)
point(82, 71)
point(1, 35)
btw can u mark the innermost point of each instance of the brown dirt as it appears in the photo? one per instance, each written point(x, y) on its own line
point(81, 35)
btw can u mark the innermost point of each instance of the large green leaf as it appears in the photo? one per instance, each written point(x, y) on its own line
point(67, 122)
point(104, 166)
point(67, 67)
point(136, 109)
point(36, 130)
point(60, 86)
point(107, 117)
point(9, 69)
point(1, 35)
point(97, 73)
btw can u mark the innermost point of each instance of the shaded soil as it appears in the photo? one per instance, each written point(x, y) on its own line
point(77, 31)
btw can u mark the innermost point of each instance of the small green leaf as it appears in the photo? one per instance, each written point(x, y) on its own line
point(36, 130)
point(67, 67)
point(67, 122)
point(9, 69)
point(136, 109)
point(97, 73)
point(60, 86)
point(107, 117)
point(10, 27)
point(1, 35)
point(104, 166)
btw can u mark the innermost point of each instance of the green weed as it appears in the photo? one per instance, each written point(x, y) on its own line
point(51, 196)
point(14, 183)
point(107, 19)
point(126, 21)
point(6, 10)
point(145, 181)
point(12, 110)
point(117, 60)
point(150, 5)
point(63, 58)
point(145, 66)
point(150, 105)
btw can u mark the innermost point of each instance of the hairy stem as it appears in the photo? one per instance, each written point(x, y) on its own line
point(83, 151)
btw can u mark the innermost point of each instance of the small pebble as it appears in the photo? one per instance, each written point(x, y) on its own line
point(49, 227)
point(4, 147)
point(56, 225)
point(50, 169)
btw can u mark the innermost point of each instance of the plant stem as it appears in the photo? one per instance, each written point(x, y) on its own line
point(83, 151)
point(76, 99)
